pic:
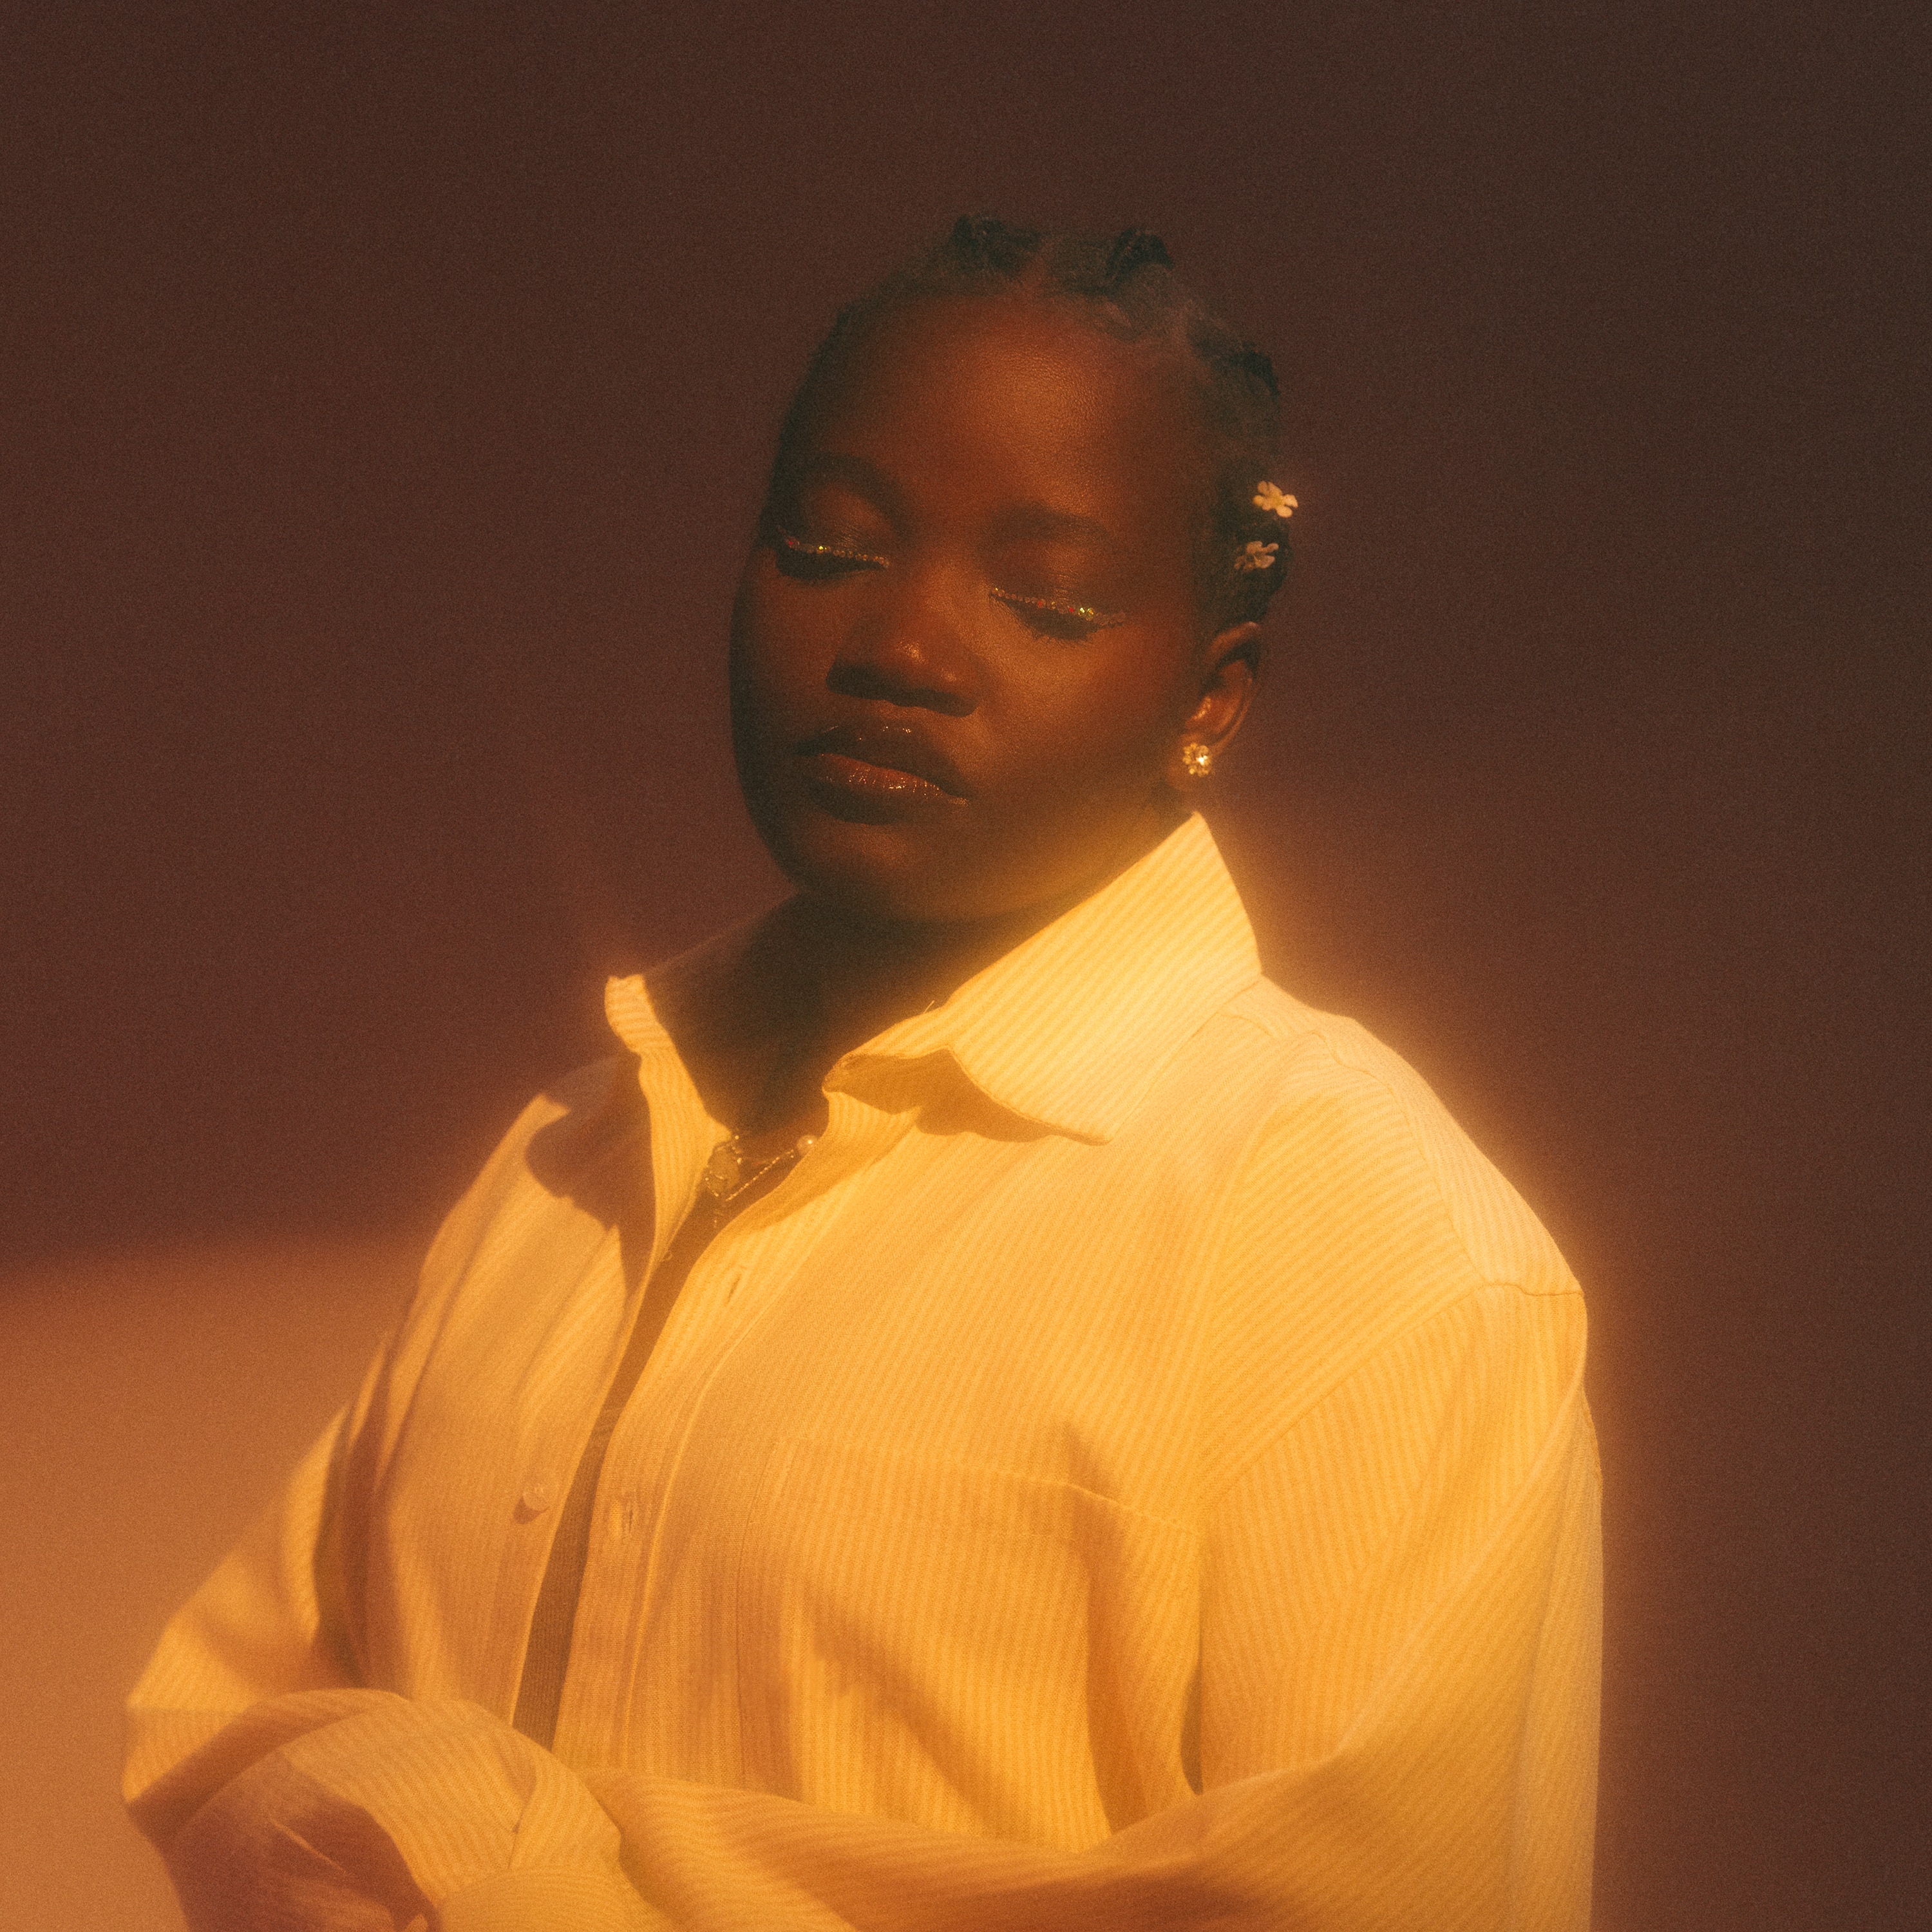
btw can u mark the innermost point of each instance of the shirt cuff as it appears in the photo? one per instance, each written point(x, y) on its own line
point(558, 1900)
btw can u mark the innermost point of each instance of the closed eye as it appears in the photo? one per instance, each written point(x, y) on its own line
point(1053, 617)
point(816, 562)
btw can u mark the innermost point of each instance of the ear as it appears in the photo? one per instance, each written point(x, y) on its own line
point(1227, 688)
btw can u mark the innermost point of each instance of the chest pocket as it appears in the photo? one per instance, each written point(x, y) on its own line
point(962, 1647)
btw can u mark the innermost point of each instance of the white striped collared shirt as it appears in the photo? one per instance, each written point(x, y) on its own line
point(1133, 1471)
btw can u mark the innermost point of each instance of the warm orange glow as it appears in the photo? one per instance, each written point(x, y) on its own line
point(153, 1403)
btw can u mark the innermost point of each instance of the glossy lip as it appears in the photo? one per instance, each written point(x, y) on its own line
point(881, 759)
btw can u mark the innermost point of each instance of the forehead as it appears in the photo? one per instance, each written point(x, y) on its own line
point(1005, 397)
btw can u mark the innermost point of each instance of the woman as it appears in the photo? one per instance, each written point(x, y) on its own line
point(991, 1414)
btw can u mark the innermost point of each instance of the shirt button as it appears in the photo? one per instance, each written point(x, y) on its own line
point(539, 1493)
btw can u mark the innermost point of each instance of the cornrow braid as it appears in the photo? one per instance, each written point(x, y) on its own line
point(1126, 285)
point(1133, 248)
point(979, 242)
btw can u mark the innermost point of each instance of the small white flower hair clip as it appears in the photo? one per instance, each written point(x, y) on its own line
point(1273, 497)
point(1256, 556)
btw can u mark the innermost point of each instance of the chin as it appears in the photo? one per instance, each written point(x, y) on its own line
point(936, 874)
point(884, 875)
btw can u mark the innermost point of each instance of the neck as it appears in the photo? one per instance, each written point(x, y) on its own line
point(841, 978)
point(833, 979)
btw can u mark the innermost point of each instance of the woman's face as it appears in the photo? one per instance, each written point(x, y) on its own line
point(967, 649)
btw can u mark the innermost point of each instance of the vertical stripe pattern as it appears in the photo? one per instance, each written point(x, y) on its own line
point(1133, 1471)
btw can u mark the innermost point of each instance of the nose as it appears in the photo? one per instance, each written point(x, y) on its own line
point(910, 648)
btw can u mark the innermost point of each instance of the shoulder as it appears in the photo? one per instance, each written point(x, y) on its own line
point(568, 1129)
point(571, 1154)
point(1346, 1125)
point(510, 1251)
point(1358, 1213)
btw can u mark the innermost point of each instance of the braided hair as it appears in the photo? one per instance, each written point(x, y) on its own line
point(1125, 285)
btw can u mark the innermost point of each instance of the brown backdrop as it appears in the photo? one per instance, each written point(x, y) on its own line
point(387, 393)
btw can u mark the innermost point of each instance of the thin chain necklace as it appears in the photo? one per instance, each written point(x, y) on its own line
point(730, 1172)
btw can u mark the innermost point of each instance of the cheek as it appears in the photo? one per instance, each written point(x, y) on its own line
point(1096, 722)
point(778, 652)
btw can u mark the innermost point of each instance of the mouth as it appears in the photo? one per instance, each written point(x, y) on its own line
point(877, 769)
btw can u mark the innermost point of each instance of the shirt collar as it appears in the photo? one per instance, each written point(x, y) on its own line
point(1070, 1029)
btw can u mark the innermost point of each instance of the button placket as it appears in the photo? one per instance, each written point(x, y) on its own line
point(740, 1276)
point(697, 1327)
point(641, 1466)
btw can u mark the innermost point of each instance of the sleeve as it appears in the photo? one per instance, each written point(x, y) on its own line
point(1399, 1676)
point(1399, 1667)
point(281, 1791)
point(1398, 1679)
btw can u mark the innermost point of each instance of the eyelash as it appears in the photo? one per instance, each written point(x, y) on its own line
point(1070, 623)
point(831, 559)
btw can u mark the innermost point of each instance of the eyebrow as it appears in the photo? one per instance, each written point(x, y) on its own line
point(871, 482)
point(1041, 523)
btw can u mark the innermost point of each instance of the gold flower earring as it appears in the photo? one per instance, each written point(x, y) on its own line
point(1197, 760)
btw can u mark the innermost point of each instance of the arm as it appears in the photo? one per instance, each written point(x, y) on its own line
point(1398, 1707)
point(278, 1787)
point(281, 1791)
point(1399, 1674)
